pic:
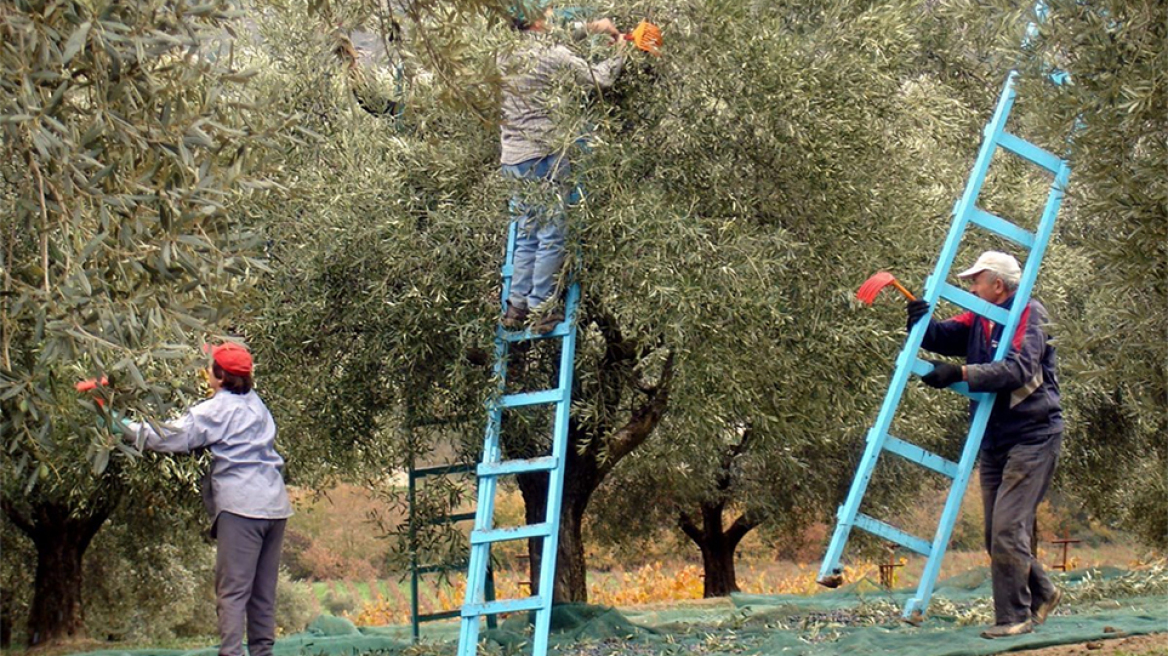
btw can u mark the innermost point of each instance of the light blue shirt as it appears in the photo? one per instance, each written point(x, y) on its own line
point(246, 476)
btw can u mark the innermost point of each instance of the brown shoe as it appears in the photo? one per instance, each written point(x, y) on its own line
point(1039, 614)
point(1007, 630)
point(514, 317)
point(548, 322)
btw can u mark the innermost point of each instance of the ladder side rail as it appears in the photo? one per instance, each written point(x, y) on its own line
point(508, 270)
point(415, 629)
point(480, 554)
point(965, 209)
point(916, 606)
point(966, 206)
point(875, 441)
point(846, 514)
point(1034, 261)
point(554, 505)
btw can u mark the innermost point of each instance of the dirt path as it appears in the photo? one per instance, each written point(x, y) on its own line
point(1155, 644)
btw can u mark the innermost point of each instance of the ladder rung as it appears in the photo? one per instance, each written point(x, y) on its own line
point(503, 606)
point(531, 398)
point(447, 567)
point(449, 519)
point(441, 470)
point(1000, 226)
point(434, 617)
point(561, 329)
point(1029, 151)
point(920, 456)
point(484, 536)
point(921, 367)
point(893, 534)
point(968, 301)
point(544, 463)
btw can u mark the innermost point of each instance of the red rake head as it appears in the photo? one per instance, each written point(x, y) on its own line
point(92, 384)
point(879, 280)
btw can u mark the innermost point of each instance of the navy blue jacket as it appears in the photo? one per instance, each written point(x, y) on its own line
point(1027, 408)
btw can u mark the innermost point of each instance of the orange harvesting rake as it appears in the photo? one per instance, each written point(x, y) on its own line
point(647, 37)
point(879, 280)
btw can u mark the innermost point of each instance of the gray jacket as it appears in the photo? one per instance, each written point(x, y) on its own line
point(246, 476)
point(527, 131)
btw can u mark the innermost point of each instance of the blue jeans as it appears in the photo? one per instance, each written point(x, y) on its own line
point(538, 207)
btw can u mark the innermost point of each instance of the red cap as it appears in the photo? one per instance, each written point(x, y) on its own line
point(231, 357)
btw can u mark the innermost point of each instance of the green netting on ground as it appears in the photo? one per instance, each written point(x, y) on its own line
point(861, 618)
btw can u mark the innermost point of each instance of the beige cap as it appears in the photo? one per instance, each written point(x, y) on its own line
point(1000, 263)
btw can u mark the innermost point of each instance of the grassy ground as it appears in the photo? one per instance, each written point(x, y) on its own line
point(377, 602)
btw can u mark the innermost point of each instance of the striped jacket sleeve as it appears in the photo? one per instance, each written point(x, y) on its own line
point(1020, 372)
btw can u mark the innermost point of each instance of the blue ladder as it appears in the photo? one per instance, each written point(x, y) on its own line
point(965, 212)
point(492, 467)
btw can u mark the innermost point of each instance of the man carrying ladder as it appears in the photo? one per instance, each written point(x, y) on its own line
point(1020, 447)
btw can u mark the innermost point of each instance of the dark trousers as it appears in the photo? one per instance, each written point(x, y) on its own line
point(247, 565)
point(1013, 482)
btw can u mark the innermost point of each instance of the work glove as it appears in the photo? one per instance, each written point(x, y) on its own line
point(943, 375)
point(916, 309)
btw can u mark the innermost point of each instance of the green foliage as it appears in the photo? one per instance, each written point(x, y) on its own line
point(123, 151)
point(142, 589)
point(296, 605)
point(740, 188)
point(340, 599)
point(1115, 357)
point(17, 565)
point(126, 146)
point(384, 255)
point(781, 171)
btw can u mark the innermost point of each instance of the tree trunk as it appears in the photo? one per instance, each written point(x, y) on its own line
point(572, 572)
point(56, 602)
point(571, 577)
point(586, 468)
point(61, 538)
point(718, 568)
point(718, 545)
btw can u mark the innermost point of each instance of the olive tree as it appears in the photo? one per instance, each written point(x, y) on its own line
point(717, 246)
point(124, 150)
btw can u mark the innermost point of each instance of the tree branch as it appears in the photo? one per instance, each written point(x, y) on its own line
point(644, 420)
point(687, 526)
point(17, 517)
point(728, 456)
point(741, 526)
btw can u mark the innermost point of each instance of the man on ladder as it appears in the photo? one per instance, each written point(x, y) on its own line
point(1021, 443)
point(529, 156)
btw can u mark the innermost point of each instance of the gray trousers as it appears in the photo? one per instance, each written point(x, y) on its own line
point(247, 565)
point(1013, 482)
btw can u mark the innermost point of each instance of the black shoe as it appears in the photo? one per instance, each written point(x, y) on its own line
point(514, 318)
point(548, 322)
